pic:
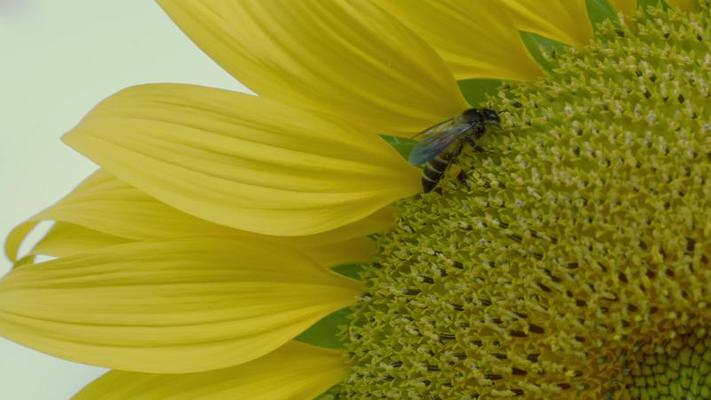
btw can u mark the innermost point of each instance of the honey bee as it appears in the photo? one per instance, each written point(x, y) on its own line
point(441, 144)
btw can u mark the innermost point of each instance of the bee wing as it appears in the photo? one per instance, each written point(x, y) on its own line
point(436, 139)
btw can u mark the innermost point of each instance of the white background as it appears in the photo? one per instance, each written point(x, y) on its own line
point(58, 58)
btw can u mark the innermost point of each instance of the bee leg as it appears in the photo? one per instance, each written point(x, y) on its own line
point(462, 177)
point(480, 149)
point(472, 142)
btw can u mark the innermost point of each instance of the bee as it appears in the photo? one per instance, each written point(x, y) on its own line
point(442, 143)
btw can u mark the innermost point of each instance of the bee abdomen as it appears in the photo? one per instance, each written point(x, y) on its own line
point(438, 164)
point(431, 175)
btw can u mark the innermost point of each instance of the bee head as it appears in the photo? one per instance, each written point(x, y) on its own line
point(490, 116)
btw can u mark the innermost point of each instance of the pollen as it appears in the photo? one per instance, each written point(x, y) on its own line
point(574, 261)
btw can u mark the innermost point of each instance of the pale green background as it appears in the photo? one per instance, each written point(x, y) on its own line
point(57, 59)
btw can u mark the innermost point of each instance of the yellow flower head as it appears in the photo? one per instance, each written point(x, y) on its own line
point(576, 262)
point(565, 254)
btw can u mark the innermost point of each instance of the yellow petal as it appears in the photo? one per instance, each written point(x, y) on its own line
point(565, 21)
point(16, 237)
point(68, 239)
point(106, 204)
point(347, 58)
point(169, 307)
point(27, 260)
point(243, 161)
point(64, 240)
point(346, 252)
point(686, 5)
point(102, 210)
point(625, 6)
point(295, 371)
point(476, 38)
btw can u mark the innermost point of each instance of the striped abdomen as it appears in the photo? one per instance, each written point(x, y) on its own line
point(435, 168)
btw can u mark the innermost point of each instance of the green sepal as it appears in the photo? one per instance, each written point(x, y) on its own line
point(645, 4)
point(402, 145)
point(330, 394)
point(324, 333)
point(476, 91)
point(600, 11)
point(542, 49)
point(349, 270)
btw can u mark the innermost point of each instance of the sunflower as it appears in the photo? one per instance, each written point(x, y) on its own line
point(571, 261)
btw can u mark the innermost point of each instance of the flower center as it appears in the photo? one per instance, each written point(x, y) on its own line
point(576, 258)
point(678, 369)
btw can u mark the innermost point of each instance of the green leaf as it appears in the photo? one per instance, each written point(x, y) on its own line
point(477, 90)
point(402, 145)
point(542, 49)
point(324, 333)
